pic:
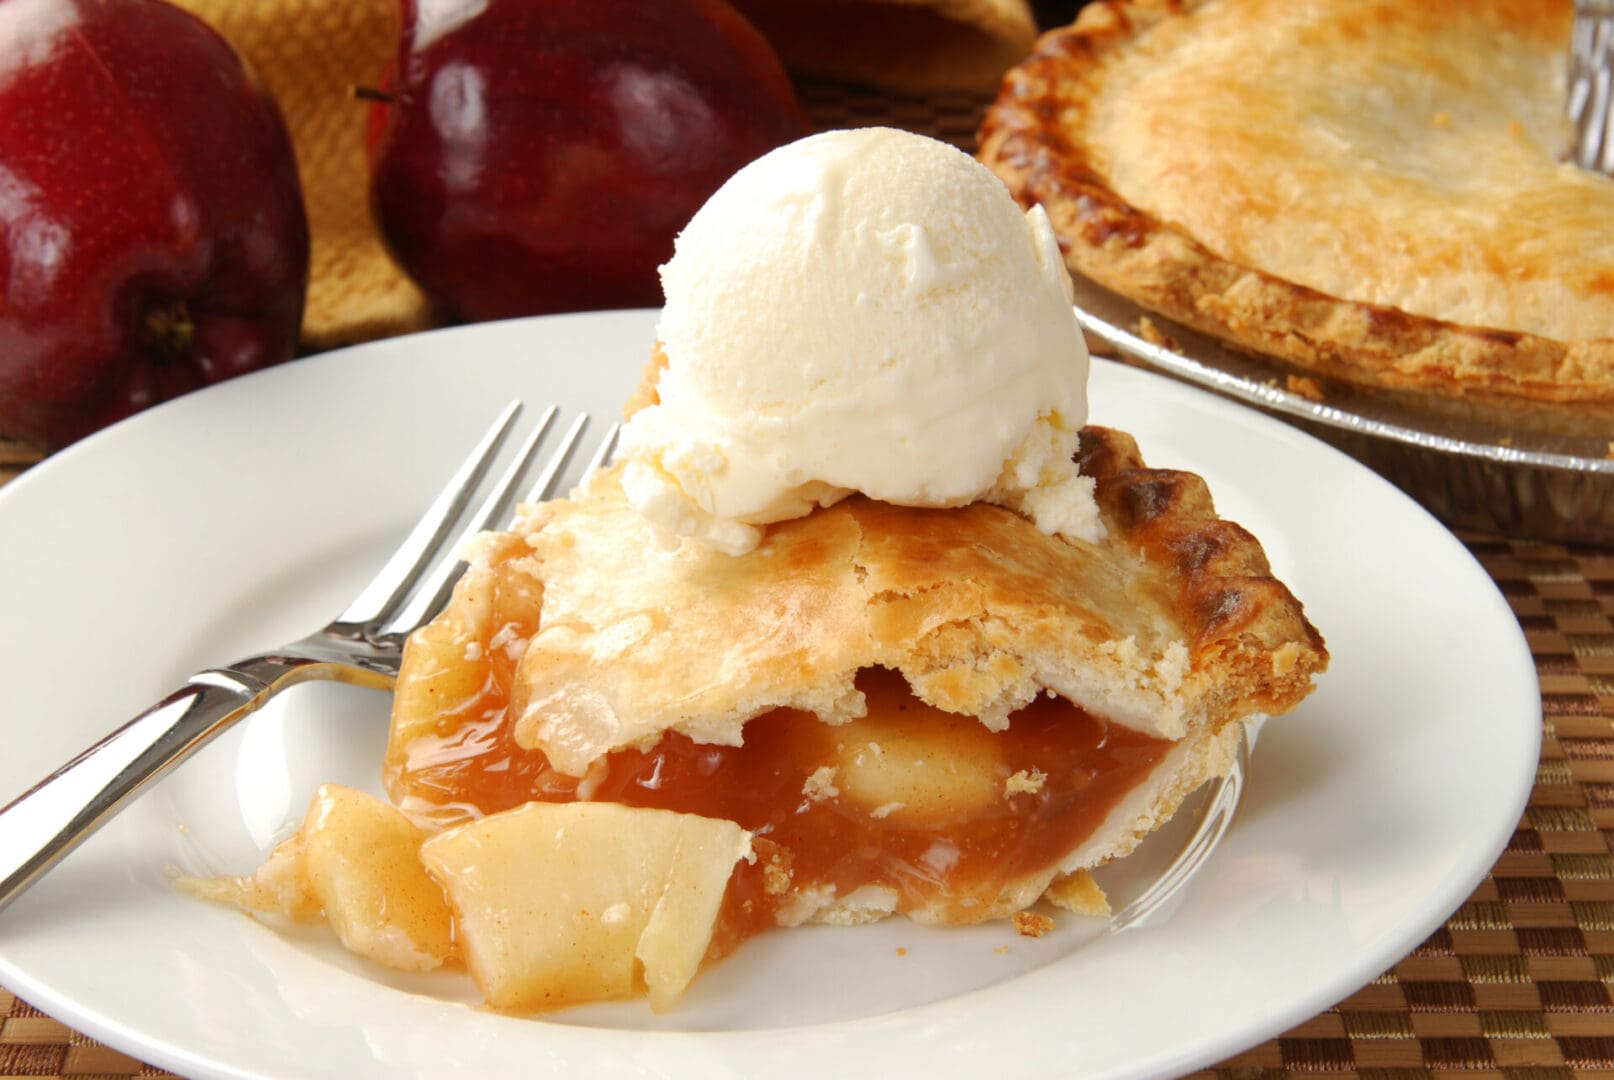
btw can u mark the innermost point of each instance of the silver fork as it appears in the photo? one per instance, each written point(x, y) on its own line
point(362, 646)
point(1591, 72)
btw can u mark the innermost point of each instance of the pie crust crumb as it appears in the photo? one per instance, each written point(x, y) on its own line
point(1032, 924)
point(1024, 782)
point(1078, 893)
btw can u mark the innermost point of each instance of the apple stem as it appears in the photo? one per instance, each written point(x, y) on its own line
point(169, 329)
point(370, 93)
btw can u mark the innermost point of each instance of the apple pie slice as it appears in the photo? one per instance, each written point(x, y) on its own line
point(1369, 189)
point(943, 714)
point(613, 763)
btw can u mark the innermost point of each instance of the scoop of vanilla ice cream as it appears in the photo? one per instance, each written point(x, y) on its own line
point(868, 311)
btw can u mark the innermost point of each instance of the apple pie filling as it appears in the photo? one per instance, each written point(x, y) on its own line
point(609, 765)
point(908, 809)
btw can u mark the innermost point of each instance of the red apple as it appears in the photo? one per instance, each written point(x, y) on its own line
point(540, 155)
point(152, 234)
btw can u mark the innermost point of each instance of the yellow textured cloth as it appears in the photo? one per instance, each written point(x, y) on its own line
point(312, 53)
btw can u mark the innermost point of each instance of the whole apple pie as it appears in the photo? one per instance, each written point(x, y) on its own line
point(1369, 189)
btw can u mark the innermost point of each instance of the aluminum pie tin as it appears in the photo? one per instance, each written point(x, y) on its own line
point(1471, 475)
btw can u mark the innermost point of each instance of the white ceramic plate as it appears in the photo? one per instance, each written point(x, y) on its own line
point(244, 515)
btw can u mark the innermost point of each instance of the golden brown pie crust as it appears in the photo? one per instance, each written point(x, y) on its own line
point(1044, 137)
point(1172, 624)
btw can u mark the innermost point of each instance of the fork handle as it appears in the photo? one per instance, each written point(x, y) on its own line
point(57, 814)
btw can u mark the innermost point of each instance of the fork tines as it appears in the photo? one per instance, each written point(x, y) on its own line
point(1591, 71)
point(417, 579)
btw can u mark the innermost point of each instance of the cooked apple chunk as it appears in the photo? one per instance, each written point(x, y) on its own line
point(922, 767)
point(559, 904)
point(356, 860)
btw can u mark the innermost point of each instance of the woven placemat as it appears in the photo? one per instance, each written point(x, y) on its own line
point(1515, 985)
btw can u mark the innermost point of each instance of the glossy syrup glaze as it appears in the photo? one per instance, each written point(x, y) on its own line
point(932, 807)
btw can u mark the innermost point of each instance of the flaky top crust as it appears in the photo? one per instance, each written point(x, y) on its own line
point(1171, 624)
point(1366, 188)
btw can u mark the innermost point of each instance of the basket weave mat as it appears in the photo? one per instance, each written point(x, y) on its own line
point(1516, 984)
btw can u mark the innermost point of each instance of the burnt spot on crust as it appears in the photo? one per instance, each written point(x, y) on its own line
point(1150, 504)
point(1220, 547)
point(1169, 516)
point(1137, 495)
point(1150, 495)
point(1509, 338)
point(1104, 221)
point(1386, 320)
point(1220, 607)
point(1103, 452)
